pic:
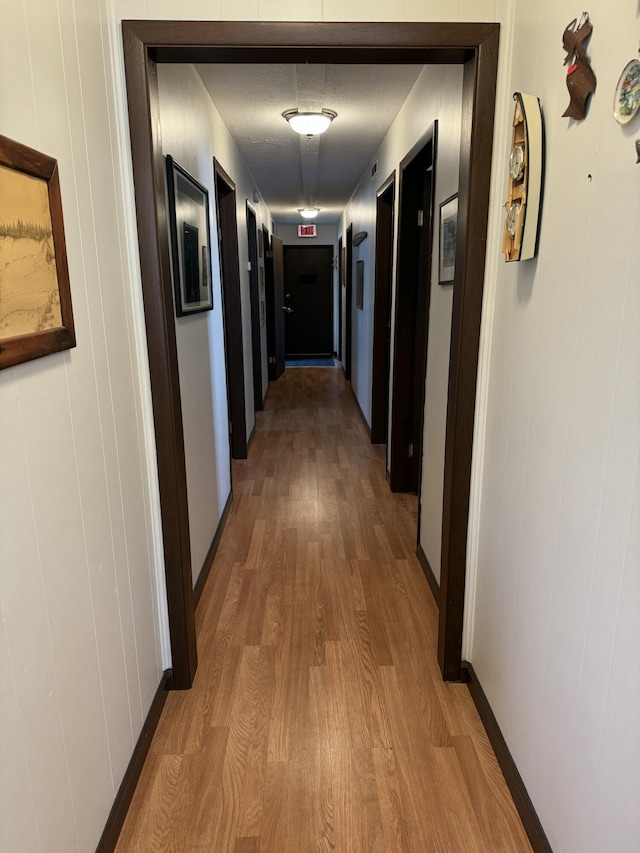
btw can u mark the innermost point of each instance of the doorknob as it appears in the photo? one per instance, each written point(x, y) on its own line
point(287, 309)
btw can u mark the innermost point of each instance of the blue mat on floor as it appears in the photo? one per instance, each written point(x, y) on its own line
point(309, 362)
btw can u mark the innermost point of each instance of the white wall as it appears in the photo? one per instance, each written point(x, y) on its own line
point(557, 615)
point(193, 133)
point(327, 236)
point(80, 635)
point(554, 514)
point(436, 95)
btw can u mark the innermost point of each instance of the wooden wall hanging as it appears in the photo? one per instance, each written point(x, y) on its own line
point(526, 165)
point(581, 81)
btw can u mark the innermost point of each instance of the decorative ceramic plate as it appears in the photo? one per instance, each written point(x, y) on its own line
point(512, 218)
point(626, 101)
point(516, 162)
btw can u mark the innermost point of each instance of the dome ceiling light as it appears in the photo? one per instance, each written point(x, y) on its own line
point(308, 212)
point(309, 124)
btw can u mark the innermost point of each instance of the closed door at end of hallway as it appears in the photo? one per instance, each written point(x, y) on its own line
point(308, 305)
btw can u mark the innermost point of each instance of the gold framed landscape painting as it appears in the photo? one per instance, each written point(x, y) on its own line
point(36, 317)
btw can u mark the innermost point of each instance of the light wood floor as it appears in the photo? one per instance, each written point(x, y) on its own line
point(318, 720)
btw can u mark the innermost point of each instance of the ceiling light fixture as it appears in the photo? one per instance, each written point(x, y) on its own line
point(308, 212)
point(309, 124)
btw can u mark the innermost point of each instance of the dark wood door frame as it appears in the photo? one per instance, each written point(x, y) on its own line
point(411, 322)
point(256, 324)
point(340, 288)
point(231, 308)
point(475, 46)
point(348, 302)
point(385, 201)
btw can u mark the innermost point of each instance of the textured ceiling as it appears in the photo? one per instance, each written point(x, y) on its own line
point(292, 171)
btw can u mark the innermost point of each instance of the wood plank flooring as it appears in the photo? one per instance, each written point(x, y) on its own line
point(318, 720)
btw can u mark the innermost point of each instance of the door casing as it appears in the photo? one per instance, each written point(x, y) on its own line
point(340, 288)
point(475, 47)
point(348, 301)
point(231, 308)
point(381, 360)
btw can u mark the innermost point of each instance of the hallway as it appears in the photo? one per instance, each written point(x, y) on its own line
point(318, 719)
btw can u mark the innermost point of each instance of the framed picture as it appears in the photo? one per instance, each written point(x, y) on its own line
point(360, 284)
point(190, 244)
point(260, 242)
point(263, 315)
point(261, 269)
point(343, 267)
point(448, 232)
point(36, 318)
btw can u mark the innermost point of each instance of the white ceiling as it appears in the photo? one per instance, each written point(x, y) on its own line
point(293, 171)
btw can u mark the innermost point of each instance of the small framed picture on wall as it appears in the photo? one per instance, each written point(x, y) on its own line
point(448, 234)
point(190, 245)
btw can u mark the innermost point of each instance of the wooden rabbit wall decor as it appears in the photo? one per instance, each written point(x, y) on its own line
point(581, 81)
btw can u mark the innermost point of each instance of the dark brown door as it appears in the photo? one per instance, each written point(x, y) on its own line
point(348, 278)
point(274, 295)
point(268, 298)
point(231, 308)
point(308, 300)
point(382, 312)
point(278, 302)
point(254, 296)
point(412, 314)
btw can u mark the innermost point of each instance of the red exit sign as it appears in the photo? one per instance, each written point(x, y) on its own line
point(307, 231)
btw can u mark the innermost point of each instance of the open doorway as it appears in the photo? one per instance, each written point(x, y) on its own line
point(475, 46)
point(413, 288)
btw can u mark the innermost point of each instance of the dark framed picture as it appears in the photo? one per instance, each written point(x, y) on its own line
point(448, 233)
point(190, 243)
point(360, 284)
point(260, 242)
point(36, 317)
